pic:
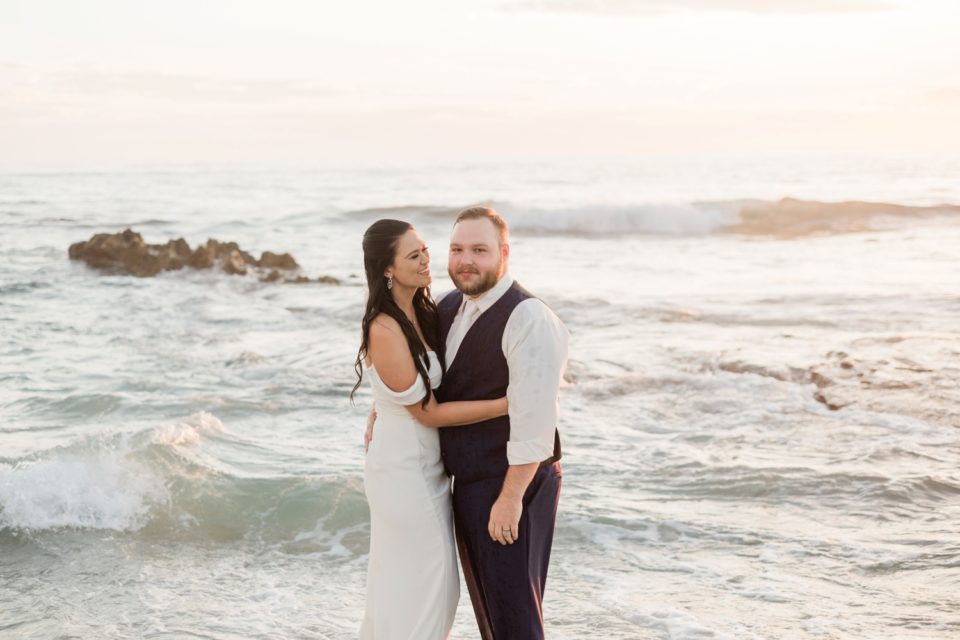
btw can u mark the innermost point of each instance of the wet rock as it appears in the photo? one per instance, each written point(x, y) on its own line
point(271, 260)
point(126, 252)
point(819, 379)
point(831, 403)
point(234, 264)
point(901, 376)
point(203, 257)
point(792, 218)
point(785, 373)
point(272, 276)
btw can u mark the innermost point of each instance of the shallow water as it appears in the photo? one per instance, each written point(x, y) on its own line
point(178, 457)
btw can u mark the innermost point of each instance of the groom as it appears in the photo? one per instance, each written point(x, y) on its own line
point(500, 340)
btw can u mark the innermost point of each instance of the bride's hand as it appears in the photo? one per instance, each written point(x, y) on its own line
point(368, 434)
point(504, 406)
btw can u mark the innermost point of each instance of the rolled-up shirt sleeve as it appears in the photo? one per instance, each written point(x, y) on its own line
point(535, 346)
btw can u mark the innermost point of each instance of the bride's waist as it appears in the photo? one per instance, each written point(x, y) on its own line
point(395, 411)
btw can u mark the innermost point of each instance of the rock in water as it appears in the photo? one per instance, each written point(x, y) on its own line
point(126, 252)
point(271, 260)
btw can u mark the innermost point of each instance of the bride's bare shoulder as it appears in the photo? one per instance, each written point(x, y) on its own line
point(389, 353)
point(386, 338)
point(383, 325)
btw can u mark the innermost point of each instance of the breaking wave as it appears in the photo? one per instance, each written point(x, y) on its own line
point(164, 482)
point(785, 218)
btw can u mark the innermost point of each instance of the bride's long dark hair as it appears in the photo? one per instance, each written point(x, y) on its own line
point(379, 252)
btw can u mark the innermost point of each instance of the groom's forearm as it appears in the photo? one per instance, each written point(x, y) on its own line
point(519, 477)
point(504, 523)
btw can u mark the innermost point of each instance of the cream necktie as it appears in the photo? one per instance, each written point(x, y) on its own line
point(470, 312)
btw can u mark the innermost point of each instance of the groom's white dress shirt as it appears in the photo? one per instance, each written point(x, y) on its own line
point(535, 346)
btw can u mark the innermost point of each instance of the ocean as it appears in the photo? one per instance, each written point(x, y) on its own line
point(761, 413)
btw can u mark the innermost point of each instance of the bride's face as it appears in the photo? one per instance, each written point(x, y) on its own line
point(411, 262)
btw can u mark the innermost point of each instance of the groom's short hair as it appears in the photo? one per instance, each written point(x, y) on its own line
point(473, 213)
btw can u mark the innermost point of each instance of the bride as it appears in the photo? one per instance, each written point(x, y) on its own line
point(412, 580)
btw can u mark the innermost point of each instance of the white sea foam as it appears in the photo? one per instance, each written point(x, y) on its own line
point(674, 623)
point(105, 489)
point(103, 484)
point(673, 219)
point(189, 431)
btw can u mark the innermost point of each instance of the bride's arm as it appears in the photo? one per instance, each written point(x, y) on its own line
point(454, 414)
point(391, 356)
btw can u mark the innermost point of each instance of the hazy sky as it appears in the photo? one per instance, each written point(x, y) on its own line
point(307, 80)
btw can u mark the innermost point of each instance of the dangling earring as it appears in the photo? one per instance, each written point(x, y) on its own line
point(389, 282)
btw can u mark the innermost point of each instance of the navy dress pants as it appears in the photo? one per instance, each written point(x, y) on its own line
point(506, 582)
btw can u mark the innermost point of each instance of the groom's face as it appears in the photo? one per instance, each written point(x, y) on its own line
point(477, 260)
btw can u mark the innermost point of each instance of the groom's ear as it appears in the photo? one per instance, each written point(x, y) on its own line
point(505, 251)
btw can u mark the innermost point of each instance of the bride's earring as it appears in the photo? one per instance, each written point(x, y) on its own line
point(389, 282)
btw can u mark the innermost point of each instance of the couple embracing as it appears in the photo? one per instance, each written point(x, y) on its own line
point(465, 388)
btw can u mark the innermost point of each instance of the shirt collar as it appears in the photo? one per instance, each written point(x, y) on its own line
point(489, 298)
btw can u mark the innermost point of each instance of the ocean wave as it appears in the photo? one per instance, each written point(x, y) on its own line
point(902, 496)
point(167, 482)
point(404, 212)
point(681, 219)
point(23, 287)
point(586, 220)
point(784, 218)
point(925, 561)
point(102, 489)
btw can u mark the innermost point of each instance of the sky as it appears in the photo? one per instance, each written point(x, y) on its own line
point(127, 81)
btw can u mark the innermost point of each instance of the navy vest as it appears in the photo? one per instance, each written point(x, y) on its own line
point(479, 372)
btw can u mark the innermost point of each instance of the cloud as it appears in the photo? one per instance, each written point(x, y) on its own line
point(186, 87)
point(656, 7)
point(88, 83)
point(945, 95)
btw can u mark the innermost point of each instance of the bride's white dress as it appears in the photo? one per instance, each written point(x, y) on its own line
point(412, 580)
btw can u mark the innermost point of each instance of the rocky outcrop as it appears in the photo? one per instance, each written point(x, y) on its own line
point(126, 252)
point(792, 218)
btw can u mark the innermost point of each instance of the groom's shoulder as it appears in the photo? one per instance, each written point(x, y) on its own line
point(532, 309)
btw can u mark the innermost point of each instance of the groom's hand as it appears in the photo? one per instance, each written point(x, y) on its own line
point(368, 434)
point(504, 525)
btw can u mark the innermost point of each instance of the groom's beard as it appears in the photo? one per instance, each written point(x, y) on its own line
point(483, 284)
